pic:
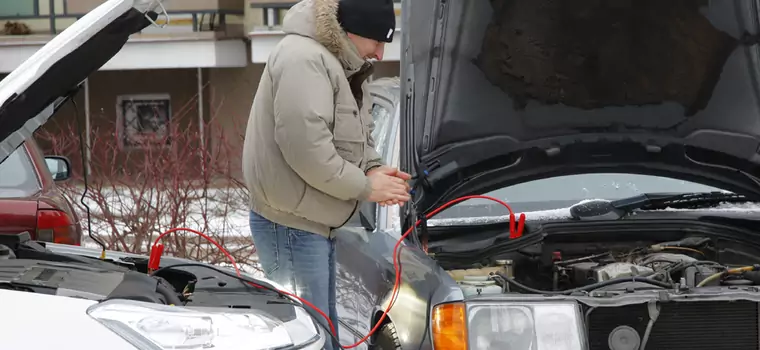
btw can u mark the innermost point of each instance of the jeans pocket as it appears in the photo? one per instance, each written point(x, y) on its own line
point(300, 233)
point(265, 240)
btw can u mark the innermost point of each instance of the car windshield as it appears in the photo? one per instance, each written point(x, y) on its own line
point(17, 176)
point(564, 191)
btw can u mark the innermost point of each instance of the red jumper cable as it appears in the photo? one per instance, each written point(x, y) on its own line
point(158, 248)
point(515, 231)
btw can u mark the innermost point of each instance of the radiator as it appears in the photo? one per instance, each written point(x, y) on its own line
point(697, 325)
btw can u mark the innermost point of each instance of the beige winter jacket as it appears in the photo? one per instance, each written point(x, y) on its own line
point(308, 143)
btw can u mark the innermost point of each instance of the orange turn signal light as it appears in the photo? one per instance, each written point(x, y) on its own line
point(449, 327)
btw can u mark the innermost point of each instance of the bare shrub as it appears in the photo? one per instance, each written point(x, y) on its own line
point(181, 180)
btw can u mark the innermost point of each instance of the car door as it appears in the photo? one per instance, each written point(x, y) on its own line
point(361, 278)
point(19, 191)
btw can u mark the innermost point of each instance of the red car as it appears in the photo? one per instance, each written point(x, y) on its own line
point(31, 201)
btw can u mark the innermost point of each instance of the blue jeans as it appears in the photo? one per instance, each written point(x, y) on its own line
point(302, 261)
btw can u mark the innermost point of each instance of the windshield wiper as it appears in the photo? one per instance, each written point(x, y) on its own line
point(610, 210)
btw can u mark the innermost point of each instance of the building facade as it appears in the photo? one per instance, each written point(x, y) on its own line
point(196, 75)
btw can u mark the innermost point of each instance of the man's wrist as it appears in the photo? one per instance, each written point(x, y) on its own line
point(367, 191)
point(373, 166)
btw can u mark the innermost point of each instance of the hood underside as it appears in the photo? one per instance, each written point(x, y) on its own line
point(506, 91)
point(32, 93)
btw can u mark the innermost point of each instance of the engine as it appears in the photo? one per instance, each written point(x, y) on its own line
point(27, 266)
point(95, 281)
point(689, 263)
point(686, 294)
point(668, 267)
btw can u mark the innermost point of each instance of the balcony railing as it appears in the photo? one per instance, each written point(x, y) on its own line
point(272, 12)
point(53, 16)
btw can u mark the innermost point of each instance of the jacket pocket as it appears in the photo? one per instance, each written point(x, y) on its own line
point(348, 134)
point(324, 209)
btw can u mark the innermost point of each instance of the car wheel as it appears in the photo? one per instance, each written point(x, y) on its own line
point(387, 339)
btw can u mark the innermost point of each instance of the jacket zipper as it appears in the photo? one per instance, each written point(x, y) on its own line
point(357, 114)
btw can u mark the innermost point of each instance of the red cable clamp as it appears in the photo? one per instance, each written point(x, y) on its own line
point(518, 232)
point(155, 257)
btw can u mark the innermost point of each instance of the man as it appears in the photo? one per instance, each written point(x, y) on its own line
point(309, 156)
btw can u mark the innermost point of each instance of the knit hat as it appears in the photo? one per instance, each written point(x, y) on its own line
point(371, 19)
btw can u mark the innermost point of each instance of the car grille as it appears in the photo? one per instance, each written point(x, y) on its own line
point(713, 325)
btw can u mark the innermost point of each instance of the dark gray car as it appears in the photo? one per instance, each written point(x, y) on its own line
point(627, 132)
point(70, 297)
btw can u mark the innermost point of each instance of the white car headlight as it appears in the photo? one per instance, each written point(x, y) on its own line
point(525, 326)
point(159, 327)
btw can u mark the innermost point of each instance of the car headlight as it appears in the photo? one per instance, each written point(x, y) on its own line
point(159, 327)
point(508, 325)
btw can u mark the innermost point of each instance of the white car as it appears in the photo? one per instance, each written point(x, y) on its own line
point(68, 297)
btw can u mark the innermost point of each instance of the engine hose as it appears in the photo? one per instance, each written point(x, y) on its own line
point(733, 271)
point(587, 288)
point(169, 295)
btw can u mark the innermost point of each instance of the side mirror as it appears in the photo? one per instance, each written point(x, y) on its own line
point(59, 167)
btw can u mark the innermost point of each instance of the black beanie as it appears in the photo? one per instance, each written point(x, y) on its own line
point(371, 19)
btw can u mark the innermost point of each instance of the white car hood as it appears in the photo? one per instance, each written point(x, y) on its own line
point(36, 89)
point(42, 322)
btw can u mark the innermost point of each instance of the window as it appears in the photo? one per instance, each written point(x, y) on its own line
point(382, 117)
point(17, 175)
point(11, 8)
point(144, 120)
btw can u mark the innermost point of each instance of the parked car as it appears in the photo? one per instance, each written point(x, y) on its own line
point(70, 297)
point(371, 236)
point(550, 123)
point(30, 200)
point(641, 198)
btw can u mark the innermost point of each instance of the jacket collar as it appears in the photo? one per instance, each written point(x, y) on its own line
point(331, 35)
point(318, 19)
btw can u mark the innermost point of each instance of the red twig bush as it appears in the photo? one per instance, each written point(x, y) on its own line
point(185, 179)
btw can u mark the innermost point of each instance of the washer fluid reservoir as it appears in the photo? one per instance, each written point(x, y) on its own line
point(478, 285)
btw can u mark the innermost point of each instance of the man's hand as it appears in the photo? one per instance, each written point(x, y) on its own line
point(398, 177)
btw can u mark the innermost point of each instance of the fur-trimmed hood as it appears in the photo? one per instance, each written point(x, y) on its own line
point(318, 19)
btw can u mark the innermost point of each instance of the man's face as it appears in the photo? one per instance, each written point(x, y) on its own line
point(368, 48)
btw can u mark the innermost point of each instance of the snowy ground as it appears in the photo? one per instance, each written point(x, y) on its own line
point(219, 213)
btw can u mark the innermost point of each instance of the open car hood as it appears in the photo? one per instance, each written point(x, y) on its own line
point(505, 91)
point(32, 93)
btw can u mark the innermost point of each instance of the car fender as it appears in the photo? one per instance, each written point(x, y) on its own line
point(424, 284)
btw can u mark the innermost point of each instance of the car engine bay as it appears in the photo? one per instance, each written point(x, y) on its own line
point(673, 289)
point(689, 263)
point(683, 264)
point(27, 266)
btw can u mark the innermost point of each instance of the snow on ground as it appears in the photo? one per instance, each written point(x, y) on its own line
point(218, 211)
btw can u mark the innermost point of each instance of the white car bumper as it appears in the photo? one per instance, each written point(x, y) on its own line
point(43, 322)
